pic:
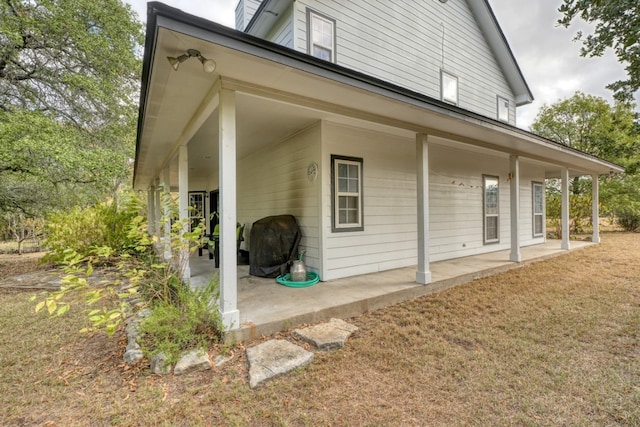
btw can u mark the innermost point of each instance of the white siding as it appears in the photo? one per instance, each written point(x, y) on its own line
point(407, 43)
point(390, 230)
point(282, 32)
point(456, 201)
point(273, 181)
point(245, 11)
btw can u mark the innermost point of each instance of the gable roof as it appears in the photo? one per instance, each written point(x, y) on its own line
point(495, 37)
point(269, 12)
point(252, 63)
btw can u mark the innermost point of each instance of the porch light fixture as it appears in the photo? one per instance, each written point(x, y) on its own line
point(208, 65)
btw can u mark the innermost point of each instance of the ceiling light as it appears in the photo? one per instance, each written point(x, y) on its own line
point(208, 65)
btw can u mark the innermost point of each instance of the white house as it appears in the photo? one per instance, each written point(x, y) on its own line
point(386, 128)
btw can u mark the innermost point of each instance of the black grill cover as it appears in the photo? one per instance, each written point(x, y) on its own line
point(273, 245)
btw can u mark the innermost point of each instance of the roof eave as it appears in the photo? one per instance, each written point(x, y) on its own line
point(288, 57)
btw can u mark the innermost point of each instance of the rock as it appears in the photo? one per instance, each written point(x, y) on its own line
point(327, 336)
point(132, 330)
point(195, 360)
point(132, 356)
point(159, 364)
point(220, 360)
point(273, 358)
point(132, 345)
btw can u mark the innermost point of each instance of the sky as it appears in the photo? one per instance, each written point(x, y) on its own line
point(548, 57)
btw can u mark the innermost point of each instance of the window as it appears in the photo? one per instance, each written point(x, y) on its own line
point(491, 209)
point(449, 86)
point(346, 189)
point(503, 109)
point(321, 39)
point(538, 209)
point(196, 208)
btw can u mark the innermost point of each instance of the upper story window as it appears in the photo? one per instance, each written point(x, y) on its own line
point(321, 38)
point(503, 109)
point(346, 189)
point(449, 87)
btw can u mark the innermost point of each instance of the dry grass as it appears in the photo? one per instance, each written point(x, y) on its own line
point(554, 343)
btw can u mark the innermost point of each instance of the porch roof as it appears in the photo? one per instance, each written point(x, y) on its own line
point(280, 91)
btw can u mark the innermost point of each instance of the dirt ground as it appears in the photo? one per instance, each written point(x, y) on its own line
point(553, 343)
point(14, 264)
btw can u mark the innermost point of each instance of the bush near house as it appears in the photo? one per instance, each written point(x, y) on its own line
point(115, 235)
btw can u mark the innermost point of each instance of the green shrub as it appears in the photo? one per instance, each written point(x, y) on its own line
point(628, 219)
point(189, 319)
point(85, 229)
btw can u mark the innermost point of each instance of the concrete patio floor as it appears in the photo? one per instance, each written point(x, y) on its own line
point(267, 307)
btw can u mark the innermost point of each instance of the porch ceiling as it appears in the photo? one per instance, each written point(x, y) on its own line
point(280, 92)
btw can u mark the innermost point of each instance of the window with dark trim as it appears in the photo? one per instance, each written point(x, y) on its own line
point(491, 199)
point(538, 208)
point(321, 36)
point(503, 109)
point(196, 208)
point(346, 194)
point(448, 87)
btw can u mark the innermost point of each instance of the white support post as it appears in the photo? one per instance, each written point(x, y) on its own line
point(514, 188)
point(423, 274)
point(595, 209)
point(564, 177)
point(151, 210)
point(158, 212)
point(183, 211)
point(227, 179)
point(166, 213)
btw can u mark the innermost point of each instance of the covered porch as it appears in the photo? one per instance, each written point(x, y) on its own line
point(267, 307)
point(260, 129)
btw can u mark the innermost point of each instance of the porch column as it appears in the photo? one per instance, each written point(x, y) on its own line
point(564, 177)
point(596, 211)
point(158, 212)
point(166, 213)
point(227, 179)
point(151, 210)
point(514, 198)
point(183, 211)
point(423, 274)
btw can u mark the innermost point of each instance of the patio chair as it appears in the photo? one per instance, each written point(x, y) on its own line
point(215, 242)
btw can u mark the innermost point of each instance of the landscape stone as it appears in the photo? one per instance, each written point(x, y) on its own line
point(132, 356)
point(327, 336)
point(133, 330)
point(273, 358)
point(193, 361)
point(220, 360)
point(132, 345)
point(159, 364)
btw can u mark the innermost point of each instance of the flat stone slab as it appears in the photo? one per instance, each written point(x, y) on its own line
point(327, 336)
point(273, 358)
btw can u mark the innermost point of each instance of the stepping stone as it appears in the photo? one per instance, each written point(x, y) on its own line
point(327, 336)
point(273, 358)
point(195, 360)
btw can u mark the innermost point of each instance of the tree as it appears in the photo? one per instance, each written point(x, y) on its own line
point(617, 27)
point(74, 59)
point(69, 73)
point(591, 125)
